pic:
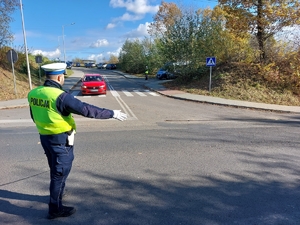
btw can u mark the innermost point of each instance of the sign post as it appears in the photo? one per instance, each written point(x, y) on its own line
point(210, 61)
point(12, 57)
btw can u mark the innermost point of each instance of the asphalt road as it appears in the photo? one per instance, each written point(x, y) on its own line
point(171, 162)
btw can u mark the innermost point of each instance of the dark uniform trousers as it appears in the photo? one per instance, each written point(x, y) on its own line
point(60, 157)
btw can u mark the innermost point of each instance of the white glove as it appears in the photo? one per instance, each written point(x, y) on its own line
point(119, 115)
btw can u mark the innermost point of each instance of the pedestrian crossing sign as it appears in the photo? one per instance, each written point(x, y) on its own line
point(211, 61)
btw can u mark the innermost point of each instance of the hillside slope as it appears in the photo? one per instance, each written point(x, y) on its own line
point(240, 82)
point(8, 89)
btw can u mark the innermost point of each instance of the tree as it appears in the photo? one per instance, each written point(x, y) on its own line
point(166, 16)
point(132, 57)
point(113, 59)
point(263, 18)
point(6, 9)
point(195, 35)
point(77, 60)
point(178, 42)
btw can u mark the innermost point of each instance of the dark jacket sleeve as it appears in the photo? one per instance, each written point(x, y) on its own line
point(66, 104)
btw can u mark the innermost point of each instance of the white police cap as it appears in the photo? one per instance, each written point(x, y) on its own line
point(54, 68)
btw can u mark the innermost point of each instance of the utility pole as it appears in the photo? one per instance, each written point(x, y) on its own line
point(26, 51)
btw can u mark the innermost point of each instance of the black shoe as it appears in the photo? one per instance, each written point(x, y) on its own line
point(65, 212)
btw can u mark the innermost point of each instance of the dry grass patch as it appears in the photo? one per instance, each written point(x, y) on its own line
point(241, 82)
point(10, 91)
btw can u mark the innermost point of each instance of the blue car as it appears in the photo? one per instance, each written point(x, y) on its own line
point(164, 74)
point(69, 65)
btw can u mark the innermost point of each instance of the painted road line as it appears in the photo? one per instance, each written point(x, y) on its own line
point(127, 93)
point(152, 93)
point(17, 121)
point(139, 93)
point(123, 105)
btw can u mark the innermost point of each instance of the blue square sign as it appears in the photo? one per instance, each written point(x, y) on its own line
point(211, 61)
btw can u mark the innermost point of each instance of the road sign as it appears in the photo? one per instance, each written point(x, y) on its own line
point(38, 59)
point(12, 56)
point(211, 61)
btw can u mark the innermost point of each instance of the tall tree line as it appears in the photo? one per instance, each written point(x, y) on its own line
point(233, 31)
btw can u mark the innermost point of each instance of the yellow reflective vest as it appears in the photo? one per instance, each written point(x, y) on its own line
point(42, 101)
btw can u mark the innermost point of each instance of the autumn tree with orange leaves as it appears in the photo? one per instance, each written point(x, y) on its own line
point(263, 18)
point(164, 18)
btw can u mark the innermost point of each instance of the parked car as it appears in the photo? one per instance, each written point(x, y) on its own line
point(93, 84)
point(111, 66)
point(170, 70)
point(162, 73)
point(78, 64)
point(99, 65)
point(104, 65)
point(89, 65)
point(69, 65)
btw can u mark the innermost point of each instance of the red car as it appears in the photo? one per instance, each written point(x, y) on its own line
point(93, 84)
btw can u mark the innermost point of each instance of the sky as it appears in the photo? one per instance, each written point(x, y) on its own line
point(85, 29)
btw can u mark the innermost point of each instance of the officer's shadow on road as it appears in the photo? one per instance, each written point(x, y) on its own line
point(8, 207)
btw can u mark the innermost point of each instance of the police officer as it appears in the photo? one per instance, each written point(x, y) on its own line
point(50, 109)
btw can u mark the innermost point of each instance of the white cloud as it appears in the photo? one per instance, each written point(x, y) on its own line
point(136, 9)
point(97, 58)
point(116, 53)
point(140, 31)
point(50, 55)
point(135, 6)
point(110, 25)
point(99, 43)
point(129, 17)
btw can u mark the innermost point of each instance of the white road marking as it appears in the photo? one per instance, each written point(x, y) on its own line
point(139, 93)
point(123, 105)
point(17, 121)
point(151, 93)
point(113, 92)
point(89, 96)
point(127, 93)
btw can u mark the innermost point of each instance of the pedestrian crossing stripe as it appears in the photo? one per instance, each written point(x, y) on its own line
point(151, 93)
point(139, 93)
point(210, 61)
point(114, 93)
point(127, 93)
